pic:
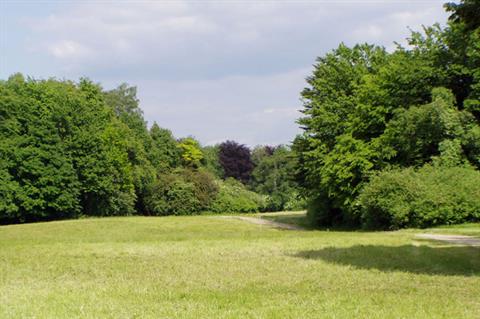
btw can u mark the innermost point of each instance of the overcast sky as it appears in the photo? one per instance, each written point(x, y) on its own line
point(216, 70)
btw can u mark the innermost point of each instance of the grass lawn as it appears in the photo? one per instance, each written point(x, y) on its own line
point(209, 267)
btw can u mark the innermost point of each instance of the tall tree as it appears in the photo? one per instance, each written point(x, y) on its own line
point(37, 177)
point(272, 175)
point(65, 153)
point(236, 160)
point(190, 152)
point(366, 110)
point(164, 153)
point(138, 142)
point(211, 160)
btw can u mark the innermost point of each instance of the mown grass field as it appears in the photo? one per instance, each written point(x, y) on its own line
point(209, 267)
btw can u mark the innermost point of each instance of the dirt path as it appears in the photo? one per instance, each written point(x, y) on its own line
point(266, 222)
point(453, 239)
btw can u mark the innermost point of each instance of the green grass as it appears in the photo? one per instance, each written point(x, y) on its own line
point(208, 267)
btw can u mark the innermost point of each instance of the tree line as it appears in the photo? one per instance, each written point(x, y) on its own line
point(71, 149)
point(390, 140)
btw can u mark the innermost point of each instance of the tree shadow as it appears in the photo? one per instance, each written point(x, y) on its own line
point(452, 261)
point(301, 220)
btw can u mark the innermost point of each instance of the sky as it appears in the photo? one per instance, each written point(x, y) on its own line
point(215, 70)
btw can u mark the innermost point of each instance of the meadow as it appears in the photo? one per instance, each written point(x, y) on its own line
point(214, 267)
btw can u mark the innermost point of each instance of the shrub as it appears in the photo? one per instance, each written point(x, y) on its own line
point(295, 202)
point(181, 199)
point(181, 192)
point(431, 195)
point(289, 200)
point(272, 176)
point(233, 197)
point(205, 187)
point(172, 195)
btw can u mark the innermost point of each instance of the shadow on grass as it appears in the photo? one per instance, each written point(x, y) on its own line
point(301, 220)
point(452, 261)
point(305, 224)
point(295, 220)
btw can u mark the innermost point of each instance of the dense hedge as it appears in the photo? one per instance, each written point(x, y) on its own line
point(191, 191)
point(233, 197)
point(421, 197)
point(181, 192)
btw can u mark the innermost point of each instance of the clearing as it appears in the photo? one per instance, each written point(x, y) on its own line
point(210, 267)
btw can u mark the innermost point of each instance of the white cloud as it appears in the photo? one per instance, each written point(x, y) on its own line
point(372, 32)
point(256, 109)
point(68, 49)
point(213, 69)
point(186, 39)
point(395, 26)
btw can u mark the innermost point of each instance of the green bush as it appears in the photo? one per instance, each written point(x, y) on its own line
point(205, 186)
point(181, 199)
point(233, 197)
point(181, 192)
point(295, 202)
point(431, 195)
point(172, 195)
point(288, 200)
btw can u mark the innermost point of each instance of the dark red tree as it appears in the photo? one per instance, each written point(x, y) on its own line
point(236, 160)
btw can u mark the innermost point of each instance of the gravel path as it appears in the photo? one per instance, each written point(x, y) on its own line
point(454, 239)
point(266, 222)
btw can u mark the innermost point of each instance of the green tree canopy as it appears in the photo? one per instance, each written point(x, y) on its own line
point(367, 110)
point(191, 152)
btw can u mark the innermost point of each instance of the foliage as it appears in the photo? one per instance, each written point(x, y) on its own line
point(455, 53)
point(233, 197)
point(235, 160)
point(211, 161)
point(70, 149)
point(428, 196)
point(125, 105)
point(332, 161)
point(414, 136)
point(137, 141)
point(205, 186)
point(181, 192)
point(172, 195)
point(294, 202)
point(61, 152)
point(190, 152)
point(367, 110)
point(272, 176)
point(465, 12)
point(164, 153)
